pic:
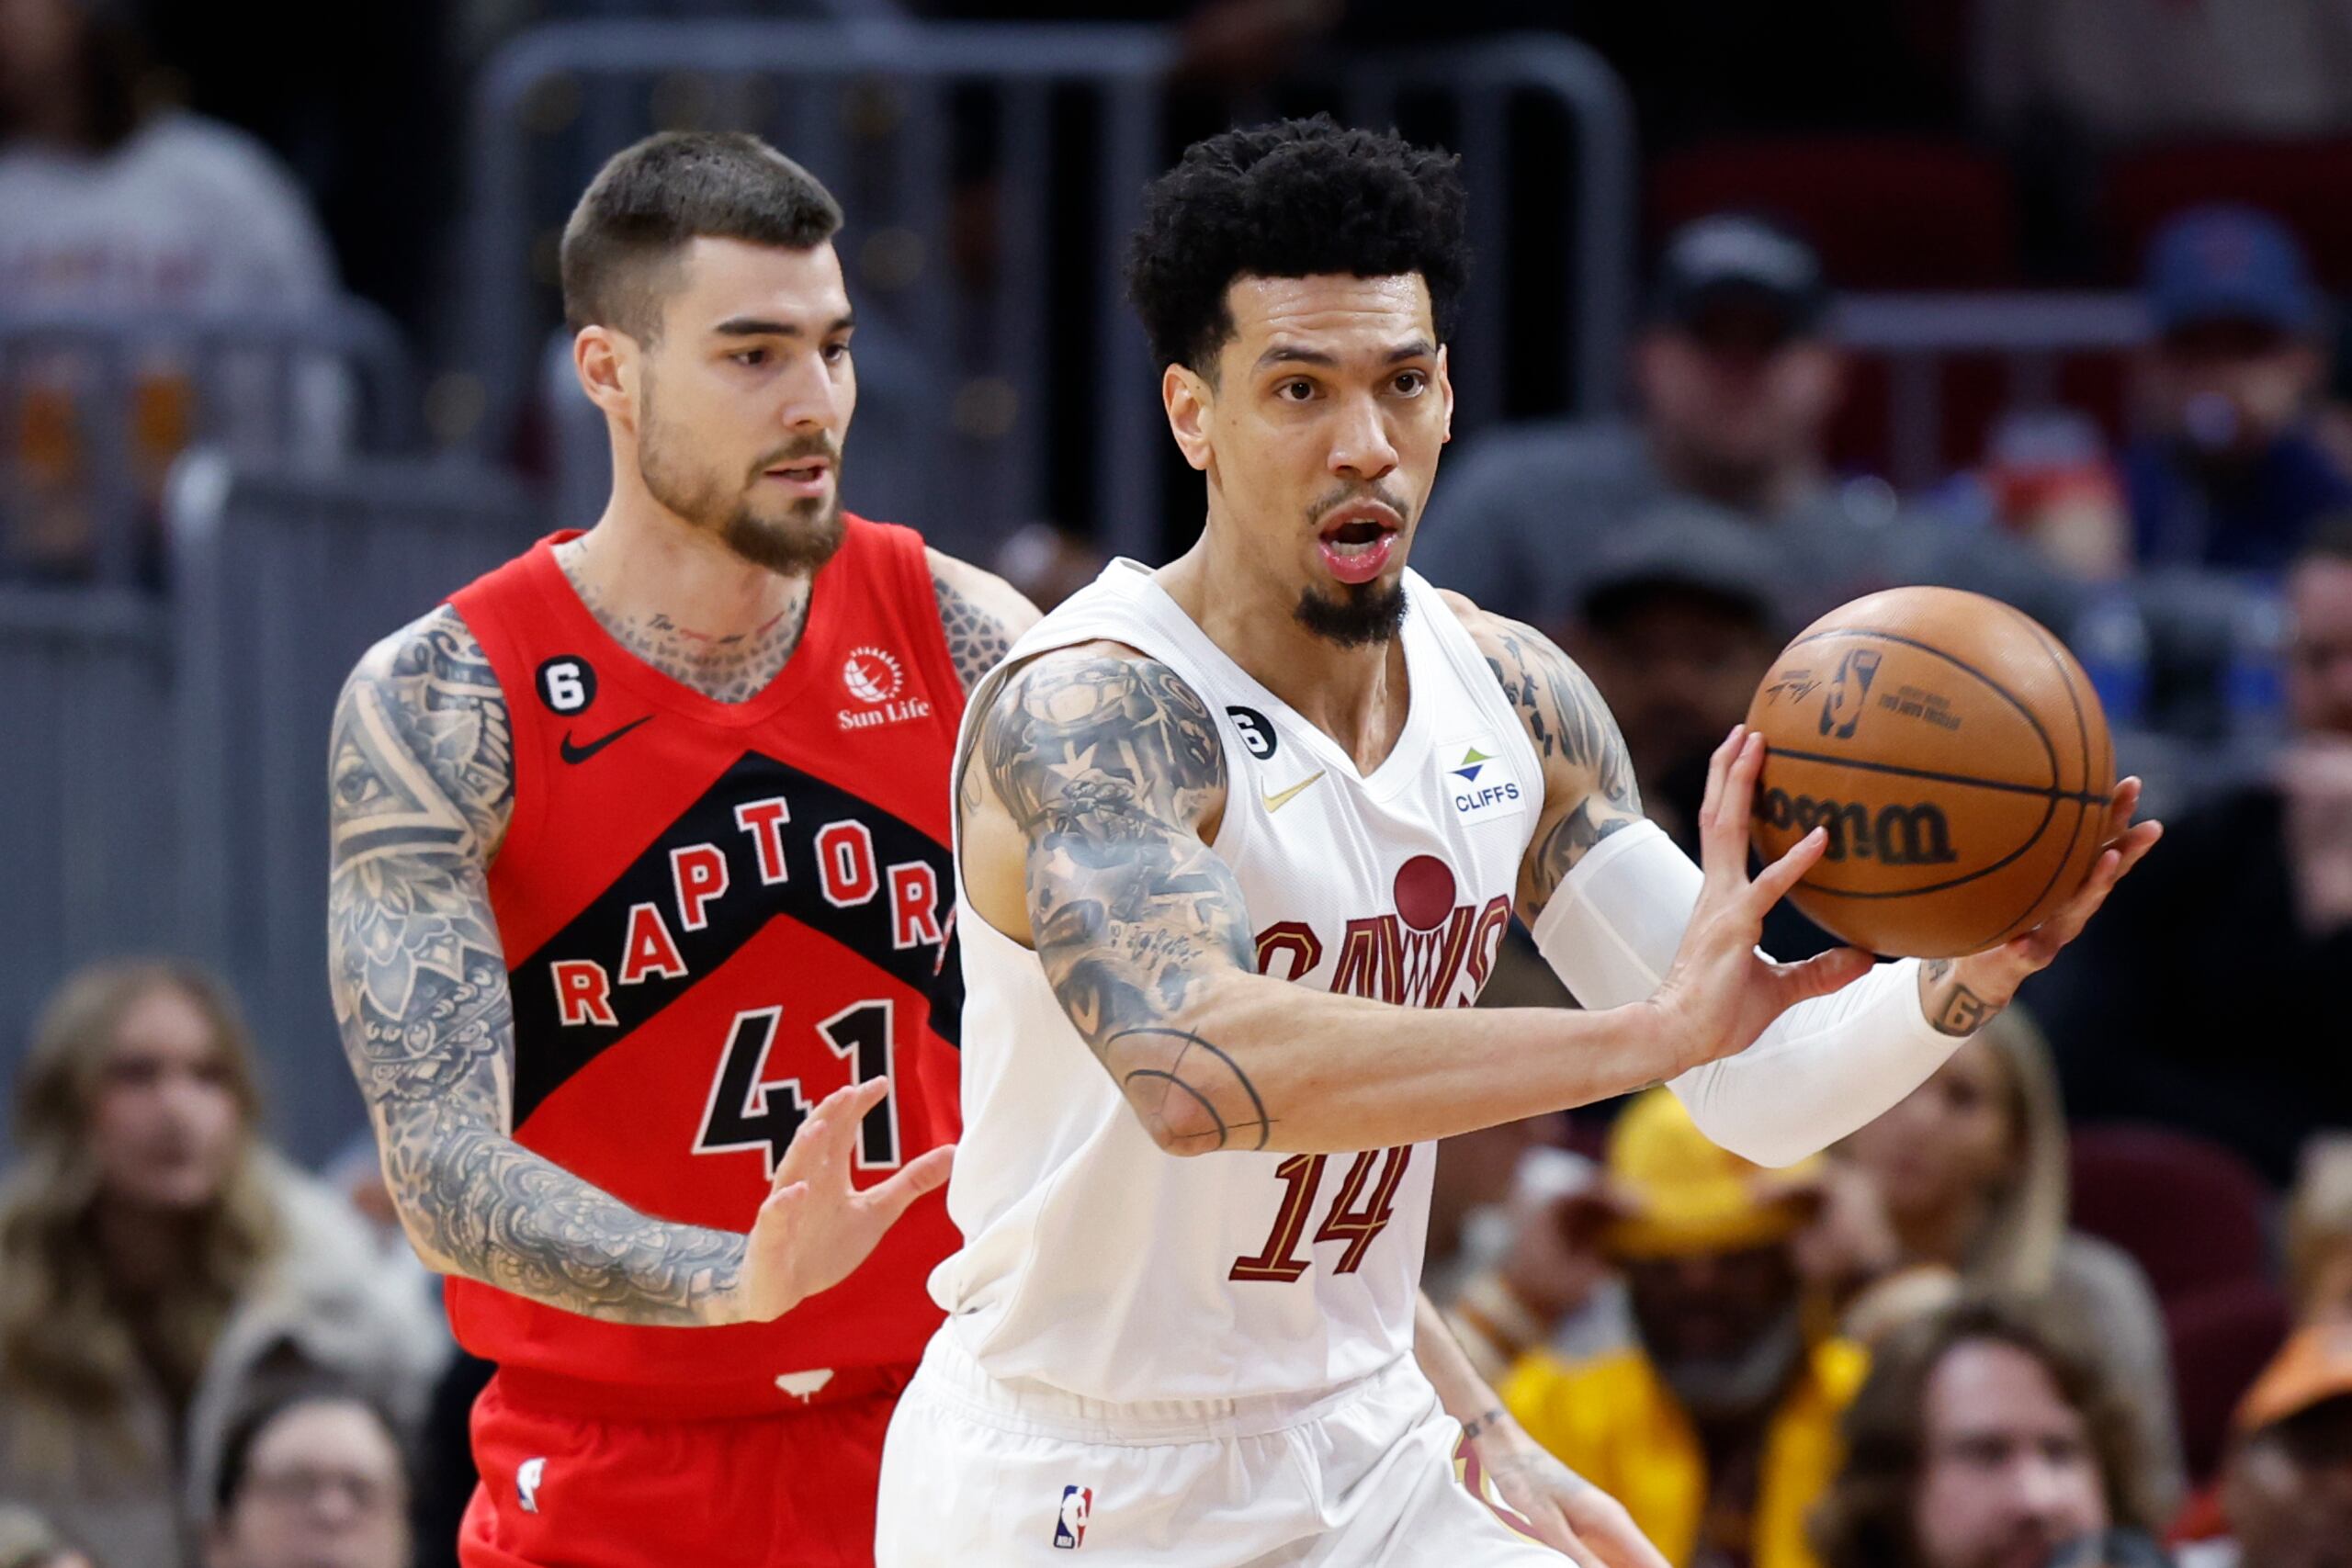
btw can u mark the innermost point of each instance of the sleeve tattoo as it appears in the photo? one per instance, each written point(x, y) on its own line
point(1106, 766)
point(1571, 728)
point(976, 640)
point(423, 780)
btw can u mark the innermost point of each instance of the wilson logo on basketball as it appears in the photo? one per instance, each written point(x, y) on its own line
point(1917, 834)
point(875, 676)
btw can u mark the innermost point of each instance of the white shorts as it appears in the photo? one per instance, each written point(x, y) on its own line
point(978, 1472)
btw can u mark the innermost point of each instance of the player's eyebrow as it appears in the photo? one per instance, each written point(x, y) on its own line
point(761, 326)
point(1291, 353)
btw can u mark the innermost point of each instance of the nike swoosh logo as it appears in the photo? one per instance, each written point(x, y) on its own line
point(572, 753)
point(1276, 802)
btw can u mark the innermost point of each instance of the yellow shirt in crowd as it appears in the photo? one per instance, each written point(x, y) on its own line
point(1612, 1420)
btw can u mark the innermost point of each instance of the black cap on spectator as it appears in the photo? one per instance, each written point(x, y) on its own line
point(1730, 258)
point(1689, 547)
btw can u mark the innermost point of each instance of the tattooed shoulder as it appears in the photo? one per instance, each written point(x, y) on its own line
point(1111, 768)
point(1588, 775)
point(424, 743)
point(982, 615)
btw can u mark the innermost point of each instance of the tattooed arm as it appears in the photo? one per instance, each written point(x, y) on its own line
point(422, 787)
point(1090, 799)
point(1589, 790)
point(982, 613)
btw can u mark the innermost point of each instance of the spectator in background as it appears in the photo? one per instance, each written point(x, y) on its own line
point(1716, 1430)
point(112, 200)
point(26, 1541)
point(113, 204)
point(2286, 1487)
point(1738, 381)
point(2319, 1233)
point(2116, 71)
point(315, 1479)
point(160, 1267)
point(1971, 1172)
point(2232, 474)
point(2194, 999)
point(1983, 1439)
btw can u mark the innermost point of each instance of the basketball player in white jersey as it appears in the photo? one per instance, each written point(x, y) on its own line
point(1224, 830)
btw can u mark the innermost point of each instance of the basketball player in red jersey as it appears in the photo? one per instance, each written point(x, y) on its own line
point(639, 915)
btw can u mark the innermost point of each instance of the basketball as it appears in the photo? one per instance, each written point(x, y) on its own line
point(1956, 755)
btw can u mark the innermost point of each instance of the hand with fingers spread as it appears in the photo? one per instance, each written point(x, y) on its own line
point(1721, 992)
point(816, 1226)
point(1561, 1508)
point(1960, 993)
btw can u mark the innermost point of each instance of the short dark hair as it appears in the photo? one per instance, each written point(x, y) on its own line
point(1293, 199)
point(246, 1432)
point(1864, 1519)
point(650, 200)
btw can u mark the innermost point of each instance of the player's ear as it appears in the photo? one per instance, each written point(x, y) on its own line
point(1445, 389)
point(605, 363)
point(1186, 396)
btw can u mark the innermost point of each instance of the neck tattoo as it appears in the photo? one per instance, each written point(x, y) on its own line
point(730, 669)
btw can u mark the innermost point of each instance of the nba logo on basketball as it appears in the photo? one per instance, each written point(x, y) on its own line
point(1069, 1530)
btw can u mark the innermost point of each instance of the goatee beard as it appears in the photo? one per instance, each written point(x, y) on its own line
point(799, 543)
point(1363, 615)
point(791, 549)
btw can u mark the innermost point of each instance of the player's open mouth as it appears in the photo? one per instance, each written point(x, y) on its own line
point(807, 477)
point(1358, 542)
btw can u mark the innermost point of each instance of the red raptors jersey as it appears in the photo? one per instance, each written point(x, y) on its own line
point(715, 914)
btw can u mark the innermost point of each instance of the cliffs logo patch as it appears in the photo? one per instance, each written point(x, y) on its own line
point(1069, 1526)
point(872, 675)
point(876, 678)
point(1477, 781)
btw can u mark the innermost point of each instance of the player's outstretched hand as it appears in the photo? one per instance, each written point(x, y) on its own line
point(1722, 993)
point(1961, 993)
point(815, 1225)
point(1561, 1508)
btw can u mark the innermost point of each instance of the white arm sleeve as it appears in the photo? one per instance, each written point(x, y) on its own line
point(1824, 1068)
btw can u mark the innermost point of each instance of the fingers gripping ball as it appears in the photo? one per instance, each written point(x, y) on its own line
point(1957, 756)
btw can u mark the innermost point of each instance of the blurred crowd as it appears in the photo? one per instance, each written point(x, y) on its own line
point(2085, 1298)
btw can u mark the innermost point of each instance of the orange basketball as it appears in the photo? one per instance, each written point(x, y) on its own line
point(1958, 757)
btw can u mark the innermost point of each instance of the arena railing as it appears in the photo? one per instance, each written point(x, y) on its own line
point(1919, 336)
point(992, 174)
point(86, 804)
point(281, 578)
point(95, 405)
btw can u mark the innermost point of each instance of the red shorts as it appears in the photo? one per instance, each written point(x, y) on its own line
point(563, 1490)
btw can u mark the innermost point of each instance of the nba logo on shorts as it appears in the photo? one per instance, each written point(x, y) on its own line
point(1069, 1530)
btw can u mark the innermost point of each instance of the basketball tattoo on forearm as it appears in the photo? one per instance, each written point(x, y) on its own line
point(1569, 724)
point(1107, 766)
point(423, 783)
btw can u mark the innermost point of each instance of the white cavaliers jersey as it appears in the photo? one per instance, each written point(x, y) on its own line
point(1096, 1263)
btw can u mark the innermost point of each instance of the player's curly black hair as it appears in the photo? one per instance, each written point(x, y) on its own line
point(1293, 199)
